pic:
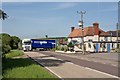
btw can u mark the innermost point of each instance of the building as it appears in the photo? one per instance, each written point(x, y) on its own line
point(95, 39)
point(59, 40)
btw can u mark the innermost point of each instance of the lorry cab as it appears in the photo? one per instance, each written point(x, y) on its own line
point(26, 44)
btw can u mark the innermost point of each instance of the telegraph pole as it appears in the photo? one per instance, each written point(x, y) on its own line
point(81, 25)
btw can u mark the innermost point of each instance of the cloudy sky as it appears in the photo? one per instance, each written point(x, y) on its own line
point(37, 19)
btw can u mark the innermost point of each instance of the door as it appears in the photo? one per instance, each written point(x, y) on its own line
point(108, 47)
point(97, 48)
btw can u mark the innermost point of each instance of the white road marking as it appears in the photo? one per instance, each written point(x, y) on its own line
point(104, 63)
point(102, 72)
point(96, 70)
point(114, 65)
point(54, 73)
point(49, 69)
point(95, 61)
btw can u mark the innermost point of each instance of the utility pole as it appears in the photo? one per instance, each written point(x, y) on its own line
point(81, 25)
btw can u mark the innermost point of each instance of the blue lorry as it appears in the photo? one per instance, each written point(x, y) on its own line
point(44, 44)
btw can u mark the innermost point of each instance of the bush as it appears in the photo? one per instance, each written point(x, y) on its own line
point(5, 49)
point(65, 48)
point(53, 49)
point(62, 49)
point(8, 42)
point(70, 45)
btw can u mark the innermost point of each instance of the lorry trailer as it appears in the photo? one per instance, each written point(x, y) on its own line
point(44, 44)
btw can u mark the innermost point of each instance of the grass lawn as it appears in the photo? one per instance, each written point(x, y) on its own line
point(23, 67)
point(14, 53)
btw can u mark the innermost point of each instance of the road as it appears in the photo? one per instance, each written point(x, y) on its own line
point(85, 63)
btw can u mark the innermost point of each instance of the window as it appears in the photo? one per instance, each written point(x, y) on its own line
point(89, 45)
point(111, 37)
point(100, 44)
point(112, 45)
point(27, 43)
point(106, 38)
point(94, 46)
point(90, 40)
point(104, 46)
point(80, 45)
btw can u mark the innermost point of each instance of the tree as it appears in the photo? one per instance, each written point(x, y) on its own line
point(8, 42)
point(3, 15)
point(6, 38)
point(14, 42)
point(5, 43)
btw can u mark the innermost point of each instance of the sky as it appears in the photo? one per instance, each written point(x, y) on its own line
point(37, 19)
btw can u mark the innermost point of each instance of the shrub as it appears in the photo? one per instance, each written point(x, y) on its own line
point(5, 49)
point(58, 48)
point(70, 45)
point(62, 49)
point(65, 48)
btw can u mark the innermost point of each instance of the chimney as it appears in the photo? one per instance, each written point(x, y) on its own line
point(72, 28)
point(96, 28)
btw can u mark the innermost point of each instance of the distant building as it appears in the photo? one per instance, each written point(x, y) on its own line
point(95, 39)
point(59, 40)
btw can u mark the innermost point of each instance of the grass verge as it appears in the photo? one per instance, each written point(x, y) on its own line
point(23, 68)
point(14, 53)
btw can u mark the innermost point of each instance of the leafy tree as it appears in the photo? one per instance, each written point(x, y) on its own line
point(8, 42)
point(5, 39)
point(66, 39)
point(14, 42)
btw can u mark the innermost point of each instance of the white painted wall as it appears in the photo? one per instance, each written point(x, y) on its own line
point(87, 38)
point(94, 38)
point(91, 49)
point(77, 39)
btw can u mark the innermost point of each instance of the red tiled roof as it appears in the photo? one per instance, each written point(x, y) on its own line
point(104, 34)
point(88, 31)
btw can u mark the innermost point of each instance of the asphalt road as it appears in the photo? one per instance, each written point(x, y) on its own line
point(94, 65)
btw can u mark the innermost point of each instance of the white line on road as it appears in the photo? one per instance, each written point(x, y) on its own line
point(47, 68)
point(54, 73)
point(114, 65)
point(95, 70)
point(102, 72)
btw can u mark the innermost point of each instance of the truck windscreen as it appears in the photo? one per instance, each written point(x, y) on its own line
point(27, 43)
